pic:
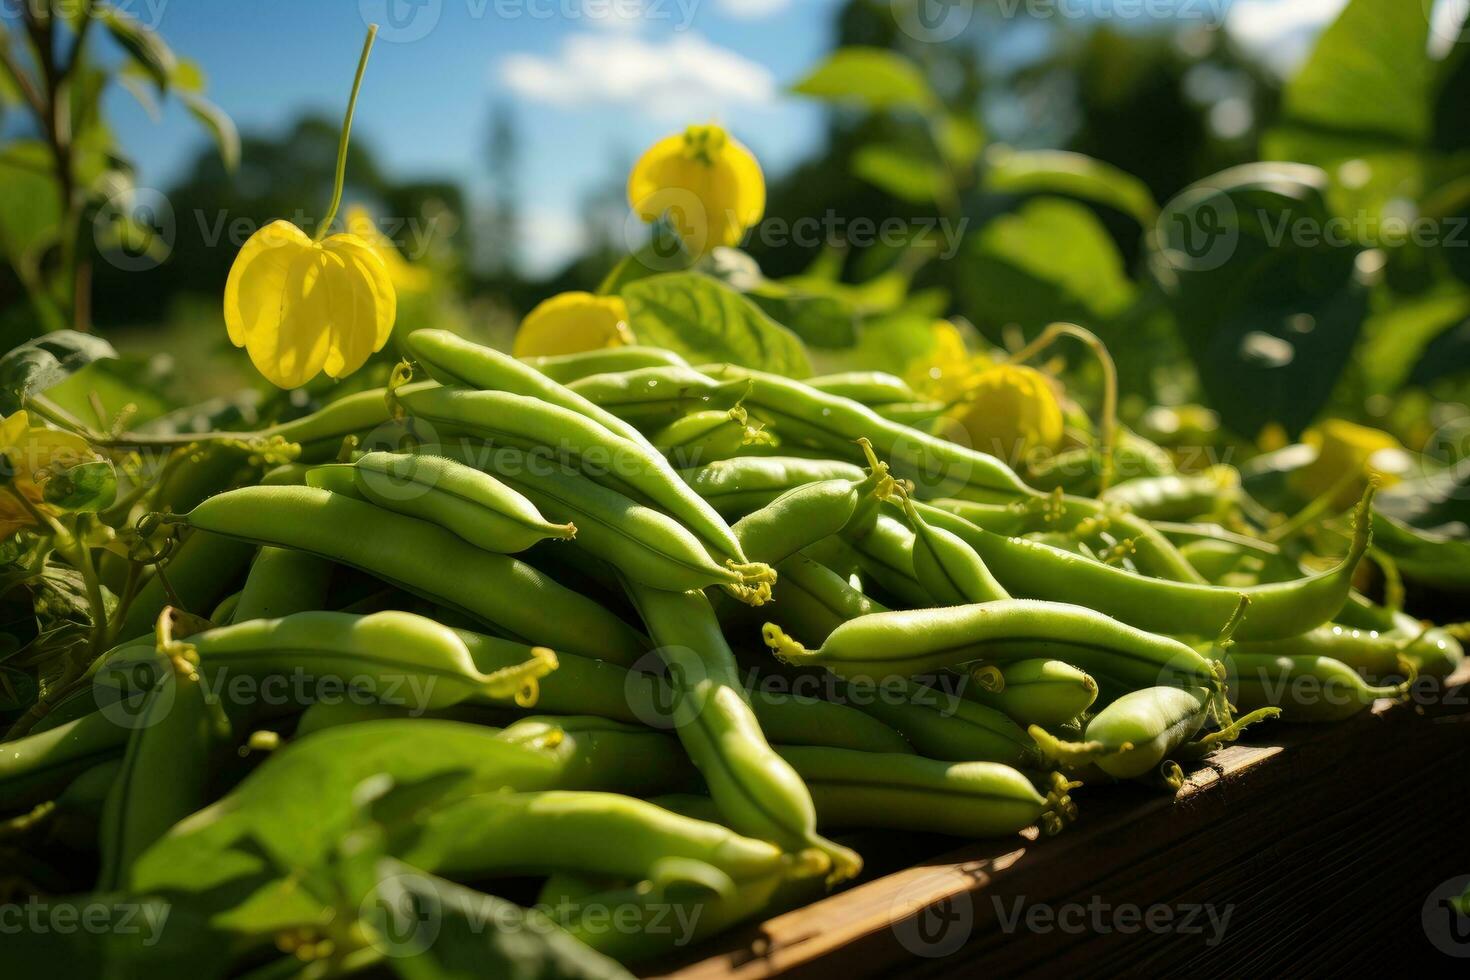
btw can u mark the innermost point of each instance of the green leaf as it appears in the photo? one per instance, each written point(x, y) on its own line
point(1051, 260)
point(142, 43)
point(218, 124)
point(1397, 336)
point(30, 207)
point(1011, 171)
point(1270, 315)
point(1360, 107)
point(873, 78)
point(899, 171)
point(1424, 524)
point(90, 486)
point(695, 315)
point(443, 931)
point(38, 364)
point(821, 321)
point(1445, 356)
point(960, 139)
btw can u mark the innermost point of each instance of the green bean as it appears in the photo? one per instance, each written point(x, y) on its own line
point(320, 434)
point(224, 610)
point(702, 437)
point(906, 792)
point(1374, 654)
point(165, 770)
point(812, 600)
point(526, 423)
point(946, 567)
point(202, 571)
point(914, 414)
point(791, 719)
point(886, 556)
point(735, 487)
point(645, 544)
point(903, 643)
point(807, 514)
point(34, 767)
point(869, 387)
point(1037, 692)
point(471, 503)
point(1278, 609)
point(453, 360)
point(655, 396)
point(560, 830)
point(947, 727)
point(281, 582)
point(1177, 496)
point(566, 368)
point(1305, 688)
point(423, 559)
point(758, 793)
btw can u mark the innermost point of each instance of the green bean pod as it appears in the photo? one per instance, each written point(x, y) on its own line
point(947, 727)
point(423, 559)
point(507, 833)
point(886, 556)
point(34, 767)
point(705, 437)
point(1037, 692)
point(758, 793)
point(735, 487)
point(869, 387)
point(165, 770)
point(907, 792)
point(1135, 734)
point(320, 434)
point(566, 368)
point(1277, 609)
point(1177, 496)
point(805, 515)
point(204, 569)
point(653, 397)
point(281, 582)
point(1375, 655)
point(946, 567)
point(452, 360)
point(904, 643)
point(526, 423)
point(471, 503)
point(1305, 688)
point(605, 755)
point(643, 543)
point(812, 600)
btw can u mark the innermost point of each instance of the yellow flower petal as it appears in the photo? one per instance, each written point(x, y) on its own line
point(299, 307)
point(572, 322)
point(1012, 410)
point(707, 182)
point(34, 454)
point(1347, 456)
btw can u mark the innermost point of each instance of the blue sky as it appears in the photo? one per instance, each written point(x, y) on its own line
point(589, 83)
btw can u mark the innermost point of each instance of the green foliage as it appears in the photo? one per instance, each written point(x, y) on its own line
point(869, 78)
point(47, 361)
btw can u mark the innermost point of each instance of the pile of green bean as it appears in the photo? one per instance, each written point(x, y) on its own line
point(650, 635)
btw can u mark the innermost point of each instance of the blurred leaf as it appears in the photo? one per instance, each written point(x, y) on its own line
point(1360, 106)
point(1074, 174)
point(1425, 525)
point(1051, 260)
point(821, 321)
point(907, 175)
point(38, 364)
point(30, 207)
point(1397, 336)
point(873, 78)
point(961, 139)
point(90, 486)
point(219, 126)
point(443, 931)
point(1269, 316)
point(695, 315)
point(141, 93)
point(1447, 354)
point(187, 76)
point(142, 43)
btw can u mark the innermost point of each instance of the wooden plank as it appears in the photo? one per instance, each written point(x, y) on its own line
point(1319, 848)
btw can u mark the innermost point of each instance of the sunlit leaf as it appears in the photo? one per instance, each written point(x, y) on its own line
point(872, 78)
point(38, 364)
point(907, 175)
point(1073, 174)
point(695, 315)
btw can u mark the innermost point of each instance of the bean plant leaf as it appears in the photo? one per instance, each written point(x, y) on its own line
point(30, 208)
point(142, 44)
point(90, 486)
point(38, 364)
point(1076, 175)
point(898, 170)
point(701, 318)
point(1424, 524)
point(872, 78)
point(218, 124)
point(1398, 339)
point(820, 321)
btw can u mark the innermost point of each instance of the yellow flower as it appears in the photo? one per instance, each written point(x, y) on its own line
point(32, 455)
point(948, 367)
point(571, 322)
point(406, 278)
point(706, 181)
point(1347, 455)
point(300, 306)
point(1011, 411)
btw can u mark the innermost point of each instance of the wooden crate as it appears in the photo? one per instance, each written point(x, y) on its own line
point(1324, 846)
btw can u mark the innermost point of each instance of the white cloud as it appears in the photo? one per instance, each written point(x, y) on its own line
point(551, 237)
point(1281, 32)
point(684, 77)
point(752, 9)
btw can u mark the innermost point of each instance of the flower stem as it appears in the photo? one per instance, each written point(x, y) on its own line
point(326, 225)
